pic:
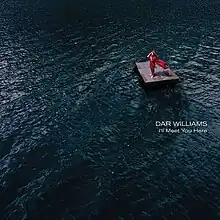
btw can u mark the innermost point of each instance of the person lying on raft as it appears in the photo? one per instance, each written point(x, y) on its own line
point(153, 61)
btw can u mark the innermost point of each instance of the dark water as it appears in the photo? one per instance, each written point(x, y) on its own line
point(77, 130)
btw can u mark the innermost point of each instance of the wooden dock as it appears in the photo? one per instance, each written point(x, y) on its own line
point(162, 76)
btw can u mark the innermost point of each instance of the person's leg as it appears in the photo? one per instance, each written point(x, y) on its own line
point(152, 68)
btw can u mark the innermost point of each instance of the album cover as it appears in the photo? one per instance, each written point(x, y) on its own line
point(109, 110)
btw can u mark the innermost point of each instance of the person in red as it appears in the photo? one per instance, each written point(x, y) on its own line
point(153, 61)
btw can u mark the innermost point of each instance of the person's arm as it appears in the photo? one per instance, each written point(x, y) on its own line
point(149, 54)
point(154, 53)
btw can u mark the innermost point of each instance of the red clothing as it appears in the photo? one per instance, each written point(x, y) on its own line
point(154, 60)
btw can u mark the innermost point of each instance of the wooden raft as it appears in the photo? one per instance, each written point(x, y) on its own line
point(162, 76)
